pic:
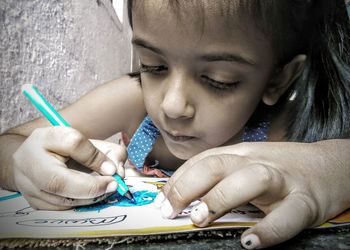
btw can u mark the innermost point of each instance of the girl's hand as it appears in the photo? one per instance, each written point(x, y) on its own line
point(297, 185)
point(42, 176)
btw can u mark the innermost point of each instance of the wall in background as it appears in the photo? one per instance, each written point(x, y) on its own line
point(64, 47)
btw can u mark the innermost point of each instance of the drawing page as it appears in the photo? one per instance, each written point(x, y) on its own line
point(116, 216)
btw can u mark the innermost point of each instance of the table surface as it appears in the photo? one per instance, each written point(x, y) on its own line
point(334, 238)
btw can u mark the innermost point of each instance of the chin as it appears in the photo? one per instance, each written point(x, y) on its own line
point(182, 154)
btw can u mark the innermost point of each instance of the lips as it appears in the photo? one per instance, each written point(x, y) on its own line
point(178, 137)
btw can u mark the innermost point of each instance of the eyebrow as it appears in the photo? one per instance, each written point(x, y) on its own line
point(142, 43)
point(228, 57)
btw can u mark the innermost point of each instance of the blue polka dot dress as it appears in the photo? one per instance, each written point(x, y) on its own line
point(258, 133)
point(141, 144)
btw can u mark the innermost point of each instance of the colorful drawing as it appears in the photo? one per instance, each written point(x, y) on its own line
point(10, 196)
point(142, 198)
point(115, 216)
point(144, 193)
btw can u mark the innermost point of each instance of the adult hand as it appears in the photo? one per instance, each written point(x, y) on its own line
point(297, 185)
point(48, 168)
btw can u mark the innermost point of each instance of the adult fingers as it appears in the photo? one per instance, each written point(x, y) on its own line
point(294, 214)
point(237, 189)
point(207, 172)
point(71, 143)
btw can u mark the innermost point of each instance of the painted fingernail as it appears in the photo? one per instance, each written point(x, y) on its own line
point(158, 201)
point(108, 168)
point(166, 209)
point(251, 241)
point(199, 213)
point(112, 187)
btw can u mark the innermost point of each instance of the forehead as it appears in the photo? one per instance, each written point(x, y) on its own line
point(199, 14)
point(215, 22)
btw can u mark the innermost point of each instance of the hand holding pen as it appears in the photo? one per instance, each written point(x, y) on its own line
point(41, 172)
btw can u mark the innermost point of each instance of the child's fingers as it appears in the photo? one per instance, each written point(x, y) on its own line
point(38, 203)
point(188, 164)
point(294, 214)
point(207, 172)
point(71, 143)
point(30, 193)
point(115, 152)
point(236, 150)
point(118, 156)
point(53, 202)
point(237, 189)
point(75, 184)
point(68, 202)
point(43, 200)
point(65, 187)
point(50, 174)
point(55, 178)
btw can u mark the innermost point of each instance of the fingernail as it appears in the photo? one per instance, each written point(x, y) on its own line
point(251, 241)
point(112, 187)
point(166, 209)
point(199, 213)
point(158, 201)
point(121, 170)
point(107, 168)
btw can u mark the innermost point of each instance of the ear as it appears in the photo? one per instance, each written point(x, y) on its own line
point(283, 79)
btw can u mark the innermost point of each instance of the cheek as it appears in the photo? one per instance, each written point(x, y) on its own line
point(152, 97)
point(227, 118)
point(225, 123)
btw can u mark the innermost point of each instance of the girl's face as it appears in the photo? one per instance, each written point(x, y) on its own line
point(203, 73)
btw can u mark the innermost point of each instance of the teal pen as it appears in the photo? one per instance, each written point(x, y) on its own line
point(56, 119)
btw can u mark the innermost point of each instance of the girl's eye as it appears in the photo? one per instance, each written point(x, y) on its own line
point(219, 86)
point(156, 70)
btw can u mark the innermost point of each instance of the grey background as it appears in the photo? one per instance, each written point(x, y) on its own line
point(64, 47)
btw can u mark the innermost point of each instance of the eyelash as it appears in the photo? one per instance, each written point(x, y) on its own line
point(219, 86)
point(211, 83)
point(156, 70)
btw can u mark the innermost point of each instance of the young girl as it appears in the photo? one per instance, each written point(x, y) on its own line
point(212, 74)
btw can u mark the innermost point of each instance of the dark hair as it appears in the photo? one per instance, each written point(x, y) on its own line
point(322, 103)
point(319, 29)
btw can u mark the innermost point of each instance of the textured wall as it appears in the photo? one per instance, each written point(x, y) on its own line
point(64, 47)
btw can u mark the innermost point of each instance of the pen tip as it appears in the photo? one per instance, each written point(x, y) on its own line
point(130, 197)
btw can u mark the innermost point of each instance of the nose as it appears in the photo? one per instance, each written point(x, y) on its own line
point(177, 103)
